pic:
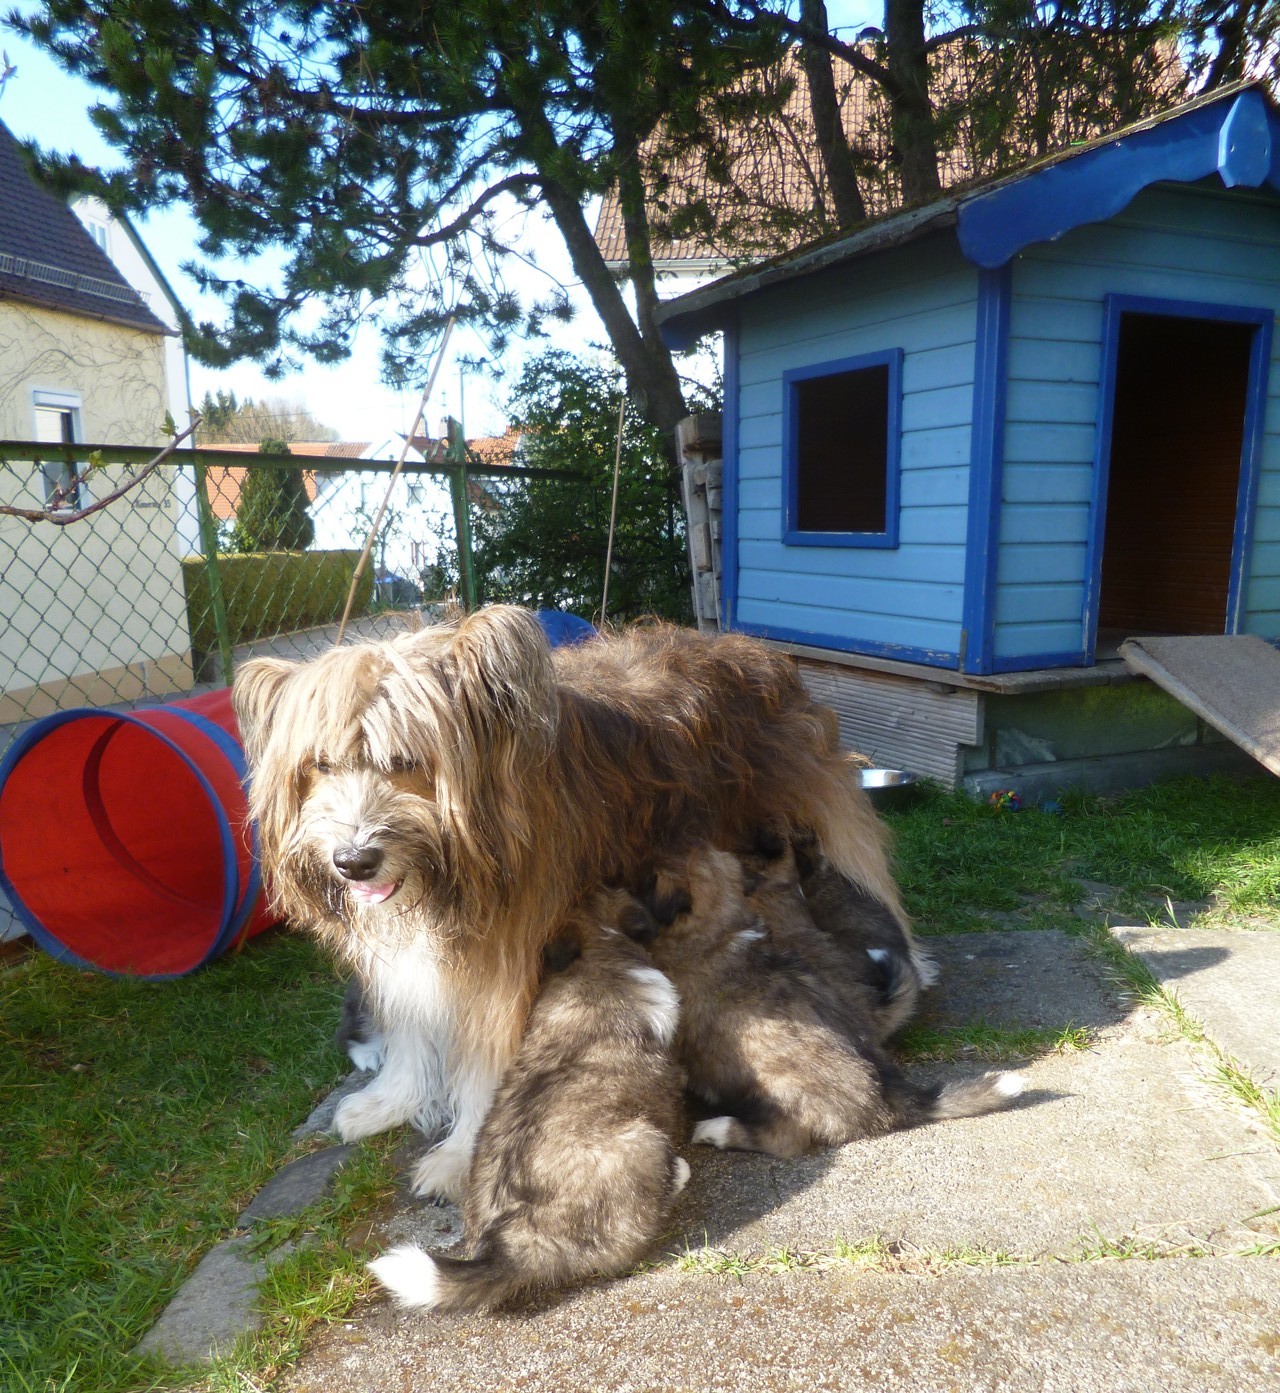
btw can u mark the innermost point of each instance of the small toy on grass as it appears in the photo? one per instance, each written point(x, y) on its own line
point(1005, 800)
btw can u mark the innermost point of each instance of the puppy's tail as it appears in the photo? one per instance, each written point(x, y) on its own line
point(425, 1281)
point(968, 1098)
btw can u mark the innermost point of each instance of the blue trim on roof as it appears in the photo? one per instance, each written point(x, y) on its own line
point(1241, 145)
point(986, 467)
point(792, 534)
point(902, 653)
point(729, 435)
point(1115, 307)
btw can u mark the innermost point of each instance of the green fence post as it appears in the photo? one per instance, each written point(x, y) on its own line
point(456, 454)
point(209, 545)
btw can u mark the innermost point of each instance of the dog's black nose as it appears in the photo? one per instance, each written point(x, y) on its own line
point(357, 862)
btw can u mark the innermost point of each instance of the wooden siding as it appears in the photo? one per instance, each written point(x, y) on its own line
point(899, 723)
point(906, 599)
point(1171, 243)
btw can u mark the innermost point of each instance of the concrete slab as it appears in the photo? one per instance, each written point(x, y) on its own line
point(1018, 978)
point(1226, 980)
point(1117, 1143)
point(215, 1305)
point(298, 1185)
point(213, 1308)
point(1210, 1325)
point(1119, 1140)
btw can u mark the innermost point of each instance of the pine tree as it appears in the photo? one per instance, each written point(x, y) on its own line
point(274, 510)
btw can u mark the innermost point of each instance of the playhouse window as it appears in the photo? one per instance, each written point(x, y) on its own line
point(841, 469)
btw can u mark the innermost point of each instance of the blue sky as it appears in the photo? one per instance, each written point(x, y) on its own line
point(45, 104)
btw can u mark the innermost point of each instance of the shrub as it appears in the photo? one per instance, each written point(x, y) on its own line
point(272, 592)
point(273, 513)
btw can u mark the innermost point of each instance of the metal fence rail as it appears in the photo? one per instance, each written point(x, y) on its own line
point(159, 593)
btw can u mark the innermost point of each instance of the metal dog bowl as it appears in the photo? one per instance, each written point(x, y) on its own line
point(890, 788)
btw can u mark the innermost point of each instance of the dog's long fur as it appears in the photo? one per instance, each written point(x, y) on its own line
point(431, 805)
point(775, 1028)
point(575, 1168)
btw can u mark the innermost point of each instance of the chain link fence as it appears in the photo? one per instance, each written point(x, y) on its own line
point(128, 580)
point(164, 590)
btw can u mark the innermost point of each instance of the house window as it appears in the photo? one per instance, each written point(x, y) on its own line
point(841, 441)
point(57, 423)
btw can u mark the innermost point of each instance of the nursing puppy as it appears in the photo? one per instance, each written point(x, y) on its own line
point(430, 806)
point(877, 949)
point(775, 1029)
point(575, 1169)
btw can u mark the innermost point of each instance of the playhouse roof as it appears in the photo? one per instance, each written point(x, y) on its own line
point(1233, 133)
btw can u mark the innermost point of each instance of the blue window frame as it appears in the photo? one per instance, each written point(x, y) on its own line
point(841, 424)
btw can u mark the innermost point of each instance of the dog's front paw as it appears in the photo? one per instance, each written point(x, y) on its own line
point(364, 1114)
point(440, 1174)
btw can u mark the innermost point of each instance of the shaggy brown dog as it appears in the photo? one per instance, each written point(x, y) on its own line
point(774, 1027)
point(575, 1169)
point(431, 806)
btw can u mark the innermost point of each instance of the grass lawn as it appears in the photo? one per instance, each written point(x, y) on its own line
point(1210, 840)
point(137, 1119)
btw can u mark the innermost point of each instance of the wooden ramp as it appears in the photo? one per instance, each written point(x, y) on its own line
point(1231, 680)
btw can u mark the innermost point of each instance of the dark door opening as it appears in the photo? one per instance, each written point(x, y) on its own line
point(1176, 440)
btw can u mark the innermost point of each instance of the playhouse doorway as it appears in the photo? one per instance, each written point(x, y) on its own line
point(1177, 436)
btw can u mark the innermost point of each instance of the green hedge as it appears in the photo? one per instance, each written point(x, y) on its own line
point(272, 592)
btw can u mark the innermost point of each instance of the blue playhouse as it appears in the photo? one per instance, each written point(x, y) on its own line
point(970, 447)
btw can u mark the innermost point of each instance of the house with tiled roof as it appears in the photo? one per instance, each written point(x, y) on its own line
point(770, 190)
point(82, 359)
point(345, 498)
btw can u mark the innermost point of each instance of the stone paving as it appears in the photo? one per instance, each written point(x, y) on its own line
point(1117, 1230)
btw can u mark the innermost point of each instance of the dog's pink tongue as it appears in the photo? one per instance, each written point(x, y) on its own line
point(365, 892)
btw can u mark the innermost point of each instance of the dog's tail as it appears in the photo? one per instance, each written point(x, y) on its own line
point(425, 1281)
point(967, 1098)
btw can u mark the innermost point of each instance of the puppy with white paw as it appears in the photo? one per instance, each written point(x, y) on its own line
point(574, 1170)
point(775, 1029)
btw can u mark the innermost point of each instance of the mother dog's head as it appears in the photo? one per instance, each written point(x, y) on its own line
point(391, 779)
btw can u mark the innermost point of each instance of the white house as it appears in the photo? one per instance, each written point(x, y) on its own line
point(119, 240)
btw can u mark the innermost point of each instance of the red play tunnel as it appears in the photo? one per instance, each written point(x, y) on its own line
point(125, 841)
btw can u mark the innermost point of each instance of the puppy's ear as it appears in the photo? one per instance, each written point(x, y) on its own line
point(667, 898)
point(769, 842)
point(254, 696)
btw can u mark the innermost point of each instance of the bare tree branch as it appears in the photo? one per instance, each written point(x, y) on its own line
point(63, 518)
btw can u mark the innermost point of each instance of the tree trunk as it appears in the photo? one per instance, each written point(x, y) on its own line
point(651, 376)
point(833, 143)
point(910, 107)
point(1233, 27)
